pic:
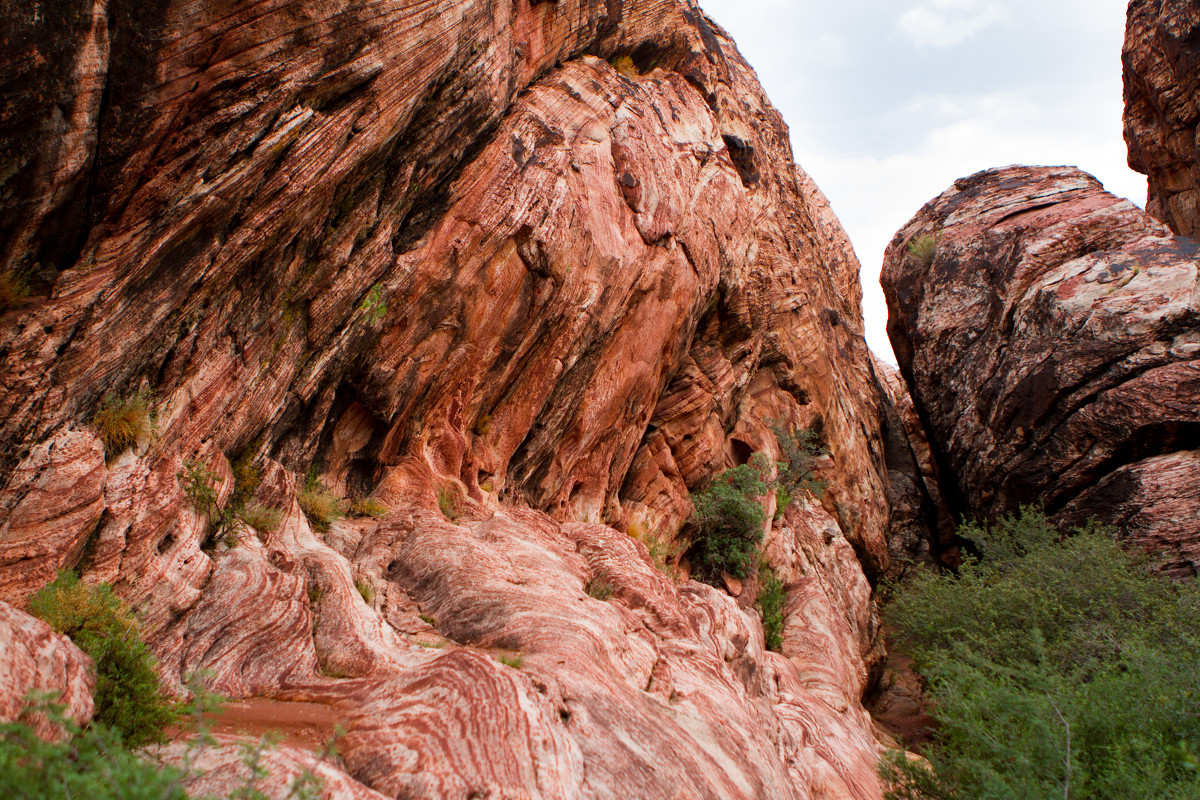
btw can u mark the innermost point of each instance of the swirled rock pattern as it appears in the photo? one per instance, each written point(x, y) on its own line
point(1051, 344)
point(527, 274)
point(36, 660)
point(1161, 60)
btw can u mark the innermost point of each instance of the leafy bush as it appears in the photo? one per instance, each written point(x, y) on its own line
point(1056, 666)
point(320, 504)
point(771, 599)
point(200, 487)
point(128, 697)
point(121, 421)
point(95, 763)
point(798, 449)
point(729, 520)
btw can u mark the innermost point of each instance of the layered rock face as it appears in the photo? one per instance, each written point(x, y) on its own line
point(1161, 60)
point(524, 273)
point(1051, 344)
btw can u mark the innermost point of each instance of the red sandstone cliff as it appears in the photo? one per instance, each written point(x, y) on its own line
point(450, 257)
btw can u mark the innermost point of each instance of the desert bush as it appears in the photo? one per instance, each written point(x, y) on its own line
point(1057, 665)
point(12, 291)
point(320, 504)
point(369, 507)
point(261, 517)
point(771, 599)
point(922, 250)
point(599, 588)
point(729, 520)
point(128, 697)
point(200, 487)
point(121, 421)
point(798, 450)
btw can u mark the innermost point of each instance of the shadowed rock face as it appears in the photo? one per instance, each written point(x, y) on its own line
point(1161, 60)
point(447, 256)
point(1051, 346)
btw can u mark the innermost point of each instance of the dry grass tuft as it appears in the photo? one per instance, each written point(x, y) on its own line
point(320, 504)
point(122, 421)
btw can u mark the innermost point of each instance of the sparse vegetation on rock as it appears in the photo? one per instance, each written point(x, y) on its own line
point(320, 504)
point(122, 421)
point(770, 602)
point(922, 250)
point(729, 520)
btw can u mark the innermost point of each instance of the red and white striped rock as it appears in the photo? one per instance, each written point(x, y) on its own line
point(35, 659)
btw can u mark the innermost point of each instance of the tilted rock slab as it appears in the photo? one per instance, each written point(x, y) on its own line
point(1161, 59)
point(34, 660)
point(504, 258)
point(1052, 346)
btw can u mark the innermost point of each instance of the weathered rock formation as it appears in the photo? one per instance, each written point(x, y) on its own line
point(513, 270)
point(34, 660)
point(1051, 344)
point(1161, 60)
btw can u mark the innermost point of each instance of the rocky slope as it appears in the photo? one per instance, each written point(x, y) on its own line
point(524, 273)
point(1051, 341)
point(1161, 60)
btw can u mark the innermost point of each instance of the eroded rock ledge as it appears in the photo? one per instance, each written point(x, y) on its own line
point(1052, 345)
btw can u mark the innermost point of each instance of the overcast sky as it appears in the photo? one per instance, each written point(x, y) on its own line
point(890, 101)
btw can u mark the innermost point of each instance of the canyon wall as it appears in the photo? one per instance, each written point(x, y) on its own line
point(524, 274)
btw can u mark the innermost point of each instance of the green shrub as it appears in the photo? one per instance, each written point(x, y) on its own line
point(320, 504)
point(374, 305)
point(1054, 665)
point(599, 588)
point(122, 421)
point(260, 517)
point(516, 662)
point(922, 250)
point(200, 487)
point(771, 600)
point(729, 520)
point(798, 450)
point(12, 291)
point(128, 697)
point(96, 763)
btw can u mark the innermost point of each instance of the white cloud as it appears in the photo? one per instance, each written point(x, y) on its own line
point(945, 23)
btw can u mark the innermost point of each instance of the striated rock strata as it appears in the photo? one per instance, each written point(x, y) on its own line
point(526, 274)
point(1161, 60)
point(1051, 344)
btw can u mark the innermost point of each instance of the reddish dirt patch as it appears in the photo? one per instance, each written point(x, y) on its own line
point(308, 725)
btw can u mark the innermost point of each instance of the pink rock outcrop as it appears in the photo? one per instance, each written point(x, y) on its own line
point(34, 660)
point(1161, 60)
point(527, 274)
point(1051, 344)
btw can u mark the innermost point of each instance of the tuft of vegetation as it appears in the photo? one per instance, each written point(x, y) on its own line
point(798, 449)
point(447, 503)
point(516, 662)
point(200, 487)
point(922, 250)
point(431, 645)
point(625, 66)
point(320, 504)
point(128, 696)
point(374, 305)
point(428, 620)
point(599, 588)
point(12, 291)
point(483, 425)
point(315, 594)
point(1057, 666)
point(664, 552)
point(122, 421)
point(247, 476)
point(366, 590)
point(265, 519)
point(770, 602)
point(369, 507)
point(729, 520)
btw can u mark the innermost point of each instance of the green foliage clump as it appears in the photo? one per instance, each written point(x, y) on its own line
point(922, 250)
point(366, 590)
point(447, 503)
point(798, 449)
point(320, 504)
point(1057, 666)
point(729, 520)
point(599, 588)
point(128, 697)
point(200, 487)
point(12, 291)
point(515, 661)
point(771, 599)
point(96, 763)
point(374, 305)
point(122, 421)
